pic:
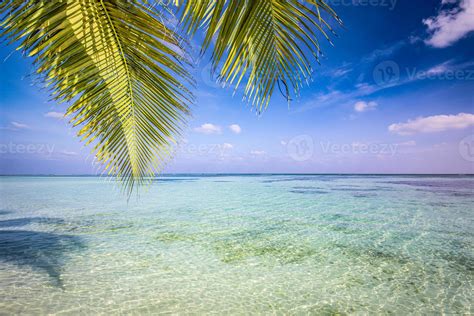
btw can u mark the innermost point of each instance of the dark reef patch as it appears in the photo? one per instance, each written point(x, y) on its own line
point(312, 191)
point(440, 184)
point(175, 179)
point(18, 222)
point(364, 195)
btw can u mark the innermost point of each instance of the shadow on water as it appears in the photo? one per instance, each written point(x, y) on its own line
point(40, 251)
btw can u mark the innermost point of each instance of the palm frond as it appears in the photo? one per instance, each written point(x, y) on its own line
point(122, 69)
point(267, 42)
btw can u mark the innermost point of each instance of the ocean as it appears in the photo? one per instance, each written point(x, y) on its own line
point(235, 244)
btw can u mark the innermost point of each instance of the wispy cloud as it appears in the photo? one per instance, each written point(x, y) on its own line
point(19, 125)
point(377, 54)
point(235, 128)
point(15, 126)
point(323, 99)
point(68, 153)
point(451, 24)
point(204, 94)
point(448, 70)
point(208, 128)
point(341, 72)
point(338, 97)
point(338, 72)
point(431, 124)
point(227, 146)
point(448, 66)
point(55, 115)
point(409, 143)
point(257, 152)
point(440, 68)
point(363, 106)
point(384, 52)
point(225, 151)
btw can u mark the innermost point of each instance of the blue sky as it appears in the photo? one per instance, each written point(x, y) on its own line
point(394, 95)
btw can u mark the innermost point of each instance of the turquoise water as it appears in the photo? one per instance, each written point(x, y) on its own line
point(238, 245)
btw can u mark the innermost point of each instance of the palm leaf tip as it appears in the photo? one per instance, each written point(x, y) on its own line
point(119, 65)
point(267, 43)
point(125, 72)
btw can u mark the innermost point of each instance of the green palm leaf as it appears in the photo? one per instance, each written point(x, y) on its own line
point(121, 67)
point(267, 42)
point(124, 73)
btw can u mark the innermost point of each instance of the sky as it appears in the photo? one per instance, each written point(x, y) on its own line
point(395, 94)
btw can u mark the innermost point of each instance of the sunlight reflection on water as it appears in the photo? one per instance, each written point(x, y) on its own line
point(236, 244)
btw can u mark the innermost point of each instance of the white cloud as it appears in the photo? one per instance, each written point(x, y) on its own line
point(17, 125)
point(56, 115)
point(409, 143)
point(283, 143)
point(338, 72)
point(439, 69)
point(258, 152)
point(450, 25)
point(431, 124)
point(362, 106)
point(208, 128)
point(235, 128)
point(225, 150)
point(384, 52)
point(68, 153)
point(341, 72)
point(227, 146)
point(413, 39)
point(449, 67)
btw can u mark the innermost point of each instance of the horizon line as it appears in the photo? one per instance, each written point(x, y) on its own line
point(244, 174)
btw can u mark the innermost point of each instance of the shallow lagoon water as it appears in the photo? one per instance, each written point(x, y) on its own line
point(238, 245)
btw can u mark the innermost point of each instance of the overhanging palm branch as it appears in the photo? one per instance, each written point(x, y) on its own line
point(268, 43)
point(123, 70)
point(120, 66)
